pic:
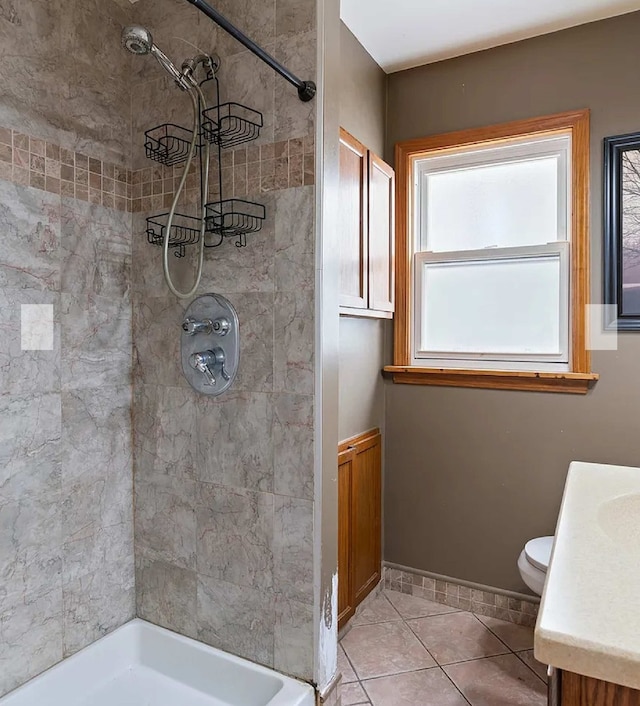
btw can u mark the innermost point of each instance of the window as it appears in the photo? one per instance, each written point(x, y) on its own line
point(492, 244)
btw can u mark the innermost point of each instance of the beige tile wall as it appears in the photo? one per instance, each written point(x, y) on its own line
point(483, 602)
point(45, 165)
point(75, 218)
point(248, 171)
point(232, 477)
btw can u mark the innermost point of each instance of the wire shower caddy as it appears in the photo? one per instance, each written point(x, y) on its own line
point(224, 125)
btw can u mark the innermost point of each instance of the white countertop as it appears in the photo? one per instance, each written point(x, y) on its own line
point(589, 619)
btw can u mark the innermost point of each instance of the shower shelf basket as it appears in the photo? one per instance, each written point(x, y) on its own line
point(168, 144)
point(234, 217)
point(224, 125)
point(185, 230)
point(231, 124)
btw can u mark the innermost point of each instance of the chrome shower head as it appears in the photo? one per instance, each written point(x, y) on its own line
point(137, 40)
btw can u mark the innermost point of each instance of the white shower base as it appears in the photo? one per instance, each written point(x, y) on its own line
point(143, 665)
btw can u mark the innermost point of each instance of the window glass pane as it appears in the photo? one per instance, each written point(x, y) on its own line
point(501, 205)
point(507, 307)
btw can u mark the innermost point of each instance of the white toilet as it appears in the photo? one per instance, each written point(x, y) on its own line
point(533, 562)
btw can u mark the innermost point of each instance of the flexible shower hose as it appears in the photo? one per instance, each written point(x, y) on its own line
point(194, 94)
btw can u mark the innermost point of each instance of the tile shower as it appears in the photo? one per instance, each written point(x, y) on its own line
point(122, 492)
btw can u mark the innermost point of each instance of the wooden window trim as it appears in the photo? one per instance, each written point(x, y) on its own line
point(580, 379)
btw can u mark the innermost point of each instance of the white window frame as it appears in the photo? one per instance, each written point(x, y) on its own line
point(510, 151)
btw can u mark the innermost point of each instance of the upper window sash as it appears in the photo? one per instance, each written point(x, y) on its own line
point(512, 152)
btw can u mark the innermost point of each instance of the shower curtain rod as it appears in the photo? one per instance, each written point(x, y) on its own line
point(306, 89)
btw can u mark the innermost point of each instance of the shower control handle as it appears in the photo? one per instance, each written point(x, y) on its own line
point(221, 326)
point(209, 344)
point(204, 363)
point(192, 326)
point(220, 359)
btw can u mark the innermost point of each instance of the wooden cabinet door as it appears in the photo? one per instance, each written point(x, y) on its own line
point(352, 222)
point(585, 691)
point(346, 606)
point(381, 234)
point(366, 521)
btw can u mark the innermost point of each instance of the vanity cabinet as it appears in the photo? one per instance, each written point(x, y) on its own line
point(359, 520)
point(577, 690)
point(346, 598)
point(366, 229)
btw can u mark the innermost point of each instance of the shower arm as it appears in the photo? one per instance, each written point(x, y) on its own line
point(306, 89)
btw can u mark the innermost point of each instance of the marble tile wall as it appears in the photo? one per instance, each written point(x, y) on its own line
point(65, 77)
point(66, 526)
point(224, 486)
point(66, 522)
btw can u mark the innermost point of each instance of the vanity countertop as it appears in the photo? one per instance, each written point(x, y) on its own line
point(589, 619)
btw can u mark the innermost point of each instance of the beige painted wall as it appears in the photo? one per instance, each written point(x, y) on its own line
point(472, 474)
point(363, 93)
point(362, 356)
point(362, 341)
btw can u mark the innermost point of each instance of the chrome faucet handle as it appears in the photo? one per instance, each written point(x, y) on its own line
point(192, 326)
point(220, 359)
point(221, 326)
point(204, 363)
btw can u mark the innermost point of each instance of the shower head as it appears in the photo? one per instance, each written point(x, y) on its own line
point(138, 40)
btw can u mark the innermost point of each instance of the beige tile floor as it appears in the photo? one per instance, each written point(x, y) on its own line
point(406, 651)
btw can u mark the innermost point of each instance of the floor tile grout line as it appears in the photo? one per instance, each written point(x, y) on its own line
point(491, 631)
point(456, 686)
point(450, 609)
point(399, 674)
point(378, 622)
point(474, 659)
point(414, 671)
point(436, 663)
point(422, 643)
point(364, 688)
point(404, 620)
point(374, 622)
point(517, 654)
point(395, 610)
point(442, 667)
point(437, 615)
point(513, 652)
point(353, 669)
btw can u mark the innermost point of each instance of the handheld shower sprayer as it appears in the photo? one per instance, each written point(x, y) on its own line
point(138, 40)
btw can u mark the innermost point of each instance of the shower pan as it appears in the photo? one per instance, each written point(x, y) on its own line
point(143, 665)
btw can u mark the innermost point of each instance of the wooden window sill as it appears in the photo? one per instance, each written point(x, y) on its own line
point(576, 383)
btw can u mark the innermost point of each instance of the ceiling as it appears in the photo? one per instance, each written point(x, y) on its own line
point(400, 34)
